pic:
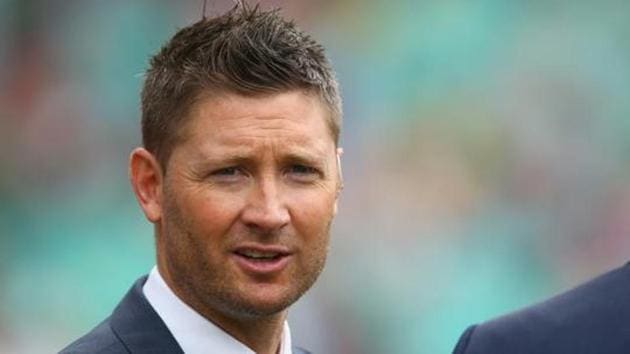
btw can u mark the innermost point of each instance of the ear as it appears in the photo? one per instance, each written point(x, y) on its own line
point(145, 175)
point(340, 177)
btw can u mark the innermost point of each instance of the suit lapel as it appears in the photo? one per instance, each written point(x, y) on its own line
point(139, 327)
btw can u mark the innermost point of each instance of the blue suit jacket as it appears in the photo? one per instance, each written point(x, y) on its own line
point(133, 327)
point(593, 318)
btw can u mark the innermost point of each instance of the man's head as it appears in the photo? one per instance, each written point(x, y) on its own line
point(245, 51)
point(240, 171)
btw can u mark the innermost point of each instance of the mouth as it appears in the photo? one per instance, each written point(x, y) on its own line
point(261, 260)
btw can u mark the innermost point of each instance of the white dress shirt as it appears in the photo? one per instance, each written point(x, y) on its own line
point(194, 333)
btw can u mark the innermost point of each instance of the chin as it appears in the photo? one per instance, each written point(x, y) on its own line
point(271, 302)
point(263, 301)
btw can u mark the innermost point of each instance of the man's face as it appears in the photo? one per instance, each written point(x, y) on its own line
point(248, 199)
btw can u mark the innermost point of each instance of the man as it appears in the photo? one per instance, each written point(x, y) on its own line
point(240, 176)
point(593, 318)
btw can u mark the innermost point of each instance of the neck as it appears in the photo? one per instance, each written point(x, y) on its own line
point(263, 334)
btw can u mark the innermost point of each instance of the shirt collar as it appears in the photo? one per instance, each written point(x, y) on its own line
point(193, 332)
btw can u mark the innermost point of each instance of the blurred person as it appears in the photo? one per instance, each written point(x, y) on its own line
point(593, 318)
point(240, 175)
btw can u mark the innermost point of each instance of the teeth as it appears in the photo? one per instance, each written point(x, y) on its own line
point(259, 255)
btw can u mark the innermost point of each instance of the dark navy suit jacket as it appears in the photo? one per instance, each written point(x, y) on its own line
point(593, 318)
point(133, 327)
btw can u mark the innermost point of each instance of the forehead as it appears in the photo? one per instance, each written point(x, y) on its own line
point(294, 117)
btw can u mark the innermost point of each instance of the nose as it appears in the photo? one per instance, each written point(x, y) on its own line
point(265, 211)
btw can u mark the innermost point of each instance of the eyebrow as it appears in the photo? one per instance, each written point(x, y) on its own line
point(304, 158)
point(238, 158)
point(230, 159)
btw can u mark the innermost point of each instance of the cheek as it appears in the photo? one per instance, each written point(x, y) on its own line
point(210, 217)
point(196, 239)
point(312, 214)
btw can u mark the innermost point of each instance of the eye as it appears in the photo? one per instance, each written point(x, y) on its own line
point(301, 169)
point(228, 171)
point(227, 174)
point(303, 173)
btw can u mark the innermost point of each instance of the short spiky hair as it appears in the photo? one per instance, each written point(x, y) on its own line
point(246, 51)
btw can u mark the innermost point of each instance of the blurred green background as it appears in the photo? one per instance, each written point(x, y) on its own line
point(487, 162)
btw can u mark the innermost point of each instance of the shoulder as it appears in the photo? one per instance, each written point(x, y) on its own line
point(101, 339)
point(133, 326)
point(592, 318)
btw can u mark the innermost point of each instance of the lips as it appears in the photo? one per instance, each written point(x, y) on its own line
point(261, 259)
point(259, 255)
